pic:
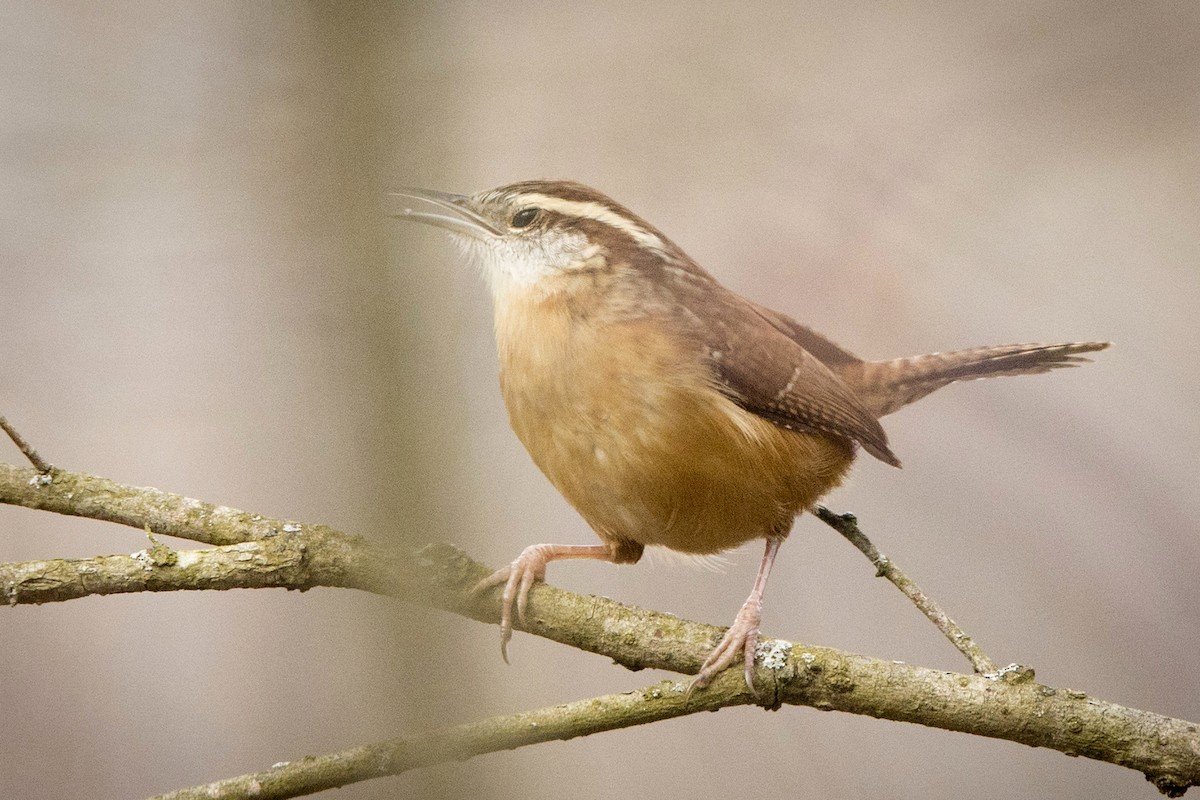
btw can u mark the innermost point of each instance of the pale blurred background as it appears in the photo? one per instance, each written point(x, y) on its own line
point(199, 291)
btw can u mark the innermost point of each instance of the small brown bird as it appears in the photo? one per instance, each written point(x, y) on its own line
point(665, 408)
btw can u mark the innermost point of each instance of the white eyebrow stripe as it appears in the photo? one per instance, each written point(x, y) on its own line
point(596, 211)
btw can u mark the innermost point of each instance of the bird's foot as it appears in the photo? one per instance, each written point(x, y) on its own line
point(517, 578)
point(741, 640)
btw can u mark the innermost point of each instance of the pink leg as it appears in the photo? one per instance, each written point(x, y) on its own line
point(518, 578)
point(742, 636)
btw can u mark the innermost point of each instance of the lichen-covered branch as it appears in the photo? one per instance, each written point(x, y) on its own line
point(279, 553)
point(663, 700)
point(279, 563)
point(79, 495)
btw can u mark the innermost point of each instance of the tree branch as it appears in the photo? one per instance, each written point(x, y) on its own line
point(847, 526)
point(270, 552)
point(25, 447)
point(663, 700)
point(247, 565)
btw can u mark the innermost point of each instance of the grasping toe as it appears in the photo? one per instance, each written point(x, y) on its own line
point(740, 640)
point(519, 576)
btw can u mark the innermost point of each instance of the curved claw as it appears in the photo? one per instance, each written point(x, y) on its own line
point(500, 576)
point(518, 578)
point(740, 640)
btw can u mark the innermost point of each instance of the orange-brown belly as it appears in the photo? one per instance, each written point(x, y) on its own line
point(638, 439)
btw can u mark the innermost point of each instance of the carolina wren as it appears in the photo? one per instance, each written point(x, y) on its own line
point(665, 408)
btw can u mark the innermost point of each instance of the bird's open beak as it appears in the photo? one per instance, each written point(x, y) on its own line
point(452, 213)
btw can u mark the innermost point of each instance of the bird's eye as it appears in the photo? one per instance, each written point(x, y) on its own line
point(523, 218)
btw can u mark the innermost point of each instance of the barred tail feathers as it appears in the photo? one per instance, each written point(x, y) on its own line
point(887, 386)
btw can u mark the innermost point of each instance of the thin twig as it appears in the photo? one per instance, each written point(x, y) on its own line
point(24, 446)
point(847, 526)
point(663, 700)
